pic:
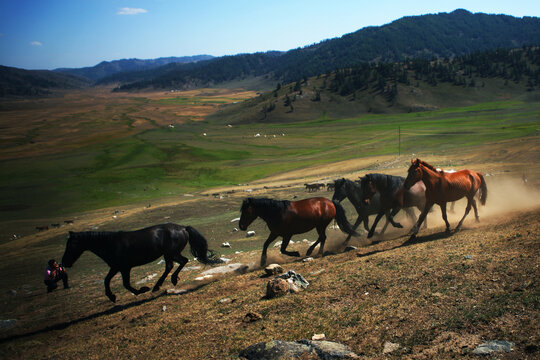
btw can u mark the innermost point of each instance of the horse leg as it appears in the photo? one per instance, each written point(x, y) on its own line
point(268, 241)
point(372, 231)
point(126, 281)
point(320, 240)
point(182, 261)
point(475, 210)
point(168, 267)
point(469, 204)
point(284, 245)
point(443, 210)
point(421, 218)
point(358, 221)
point(391, 217)
point(108, 278)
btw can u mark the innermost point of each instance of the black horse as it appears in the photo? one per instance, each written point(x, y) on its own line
point(393, 196)
point(352, 190)
point(123, 250)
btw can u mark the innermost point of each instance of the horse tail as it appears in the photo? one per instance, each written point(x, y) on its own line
point(199, 247)
point(342, 221)
point(483, 188)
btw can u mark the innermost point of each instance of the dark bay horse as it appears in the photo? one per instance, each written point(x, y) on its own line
point(352, 190)
point(443, 187)
point(287, 218)
point(122, 250)
point(393, 196)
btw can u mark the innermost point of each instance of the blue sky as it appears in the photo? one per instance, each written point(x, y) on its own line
point(48, 34)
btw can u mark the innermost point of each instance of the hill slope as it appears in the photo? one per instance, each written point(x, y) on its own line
point(442, 35)
point(108, 68)
point(437, 297)
point(22, 83)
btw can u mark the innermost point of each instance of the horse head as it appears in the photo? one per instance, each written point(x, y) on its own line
point(74, 249)
point(414, 174)
point(368, 188)
point(248, 214)
point(339, 190)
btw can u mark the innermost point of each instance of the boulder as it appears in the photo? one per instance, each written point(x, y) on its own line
point(303, 349)
point(276, 287)
point(493, 346)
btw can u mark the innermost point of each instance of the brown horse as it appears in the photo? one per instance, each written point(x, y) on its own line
point(442, 187)
point(287, 218)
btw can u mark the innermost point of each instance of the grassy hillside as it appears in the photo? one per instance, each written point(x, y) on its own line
point(438, 297)
point(112, 168)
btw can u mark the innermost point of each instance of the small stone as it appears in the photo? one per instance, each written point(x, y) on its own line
point(225, 301)
point(308, 259)
point(390, 347)
point(226, 245)
point(250, 233)
point(176, 291)
point(273, 269)
point(318, 337)
point(164, 308)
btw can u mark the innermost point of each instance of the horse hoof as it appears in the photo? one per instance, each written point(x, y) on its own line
point(398, 225)
point(112, 298)
point(144, 289)
point(296, 253)
point(156, 288)
point(448, 231)
point(174, 281)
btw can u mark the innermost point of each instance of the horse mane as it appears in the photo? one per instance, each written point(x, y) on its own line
point(388, 181)
point(429, 166)
point(96, 235)
point(266, 206)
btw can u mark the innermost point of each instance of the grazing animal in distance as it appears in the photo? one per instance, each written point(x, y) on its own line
point(442, 187)
point(123, 250)
point(287, 218)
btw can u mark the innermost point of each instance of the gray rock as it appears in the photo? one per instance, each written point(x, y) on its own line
point(493, 346)
point(280, 350)
point(7, 323)
point(225, 269)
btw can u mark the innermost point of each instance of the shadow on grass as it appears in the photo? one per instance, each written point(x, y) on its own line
point(115, 309)
point(413, 241)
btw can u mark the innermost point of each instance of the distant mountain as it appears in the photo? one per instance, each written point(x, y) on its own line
point(16, 82)
point(443, 35)
point(108, 68)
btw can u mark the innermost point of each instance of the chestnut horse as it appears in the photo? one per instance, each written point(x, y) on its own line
point(287, 218)
point(443, 187)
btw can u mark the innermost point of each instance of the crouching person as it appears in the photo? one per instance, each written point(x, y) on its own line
point(53, 274)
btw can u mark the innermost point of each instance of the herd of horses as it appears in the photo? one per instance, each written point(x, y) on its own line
point(375, 194)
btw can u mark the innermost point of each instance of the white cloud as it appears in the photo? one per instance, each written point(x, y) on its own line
point(131, 11)
point(35, 43)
